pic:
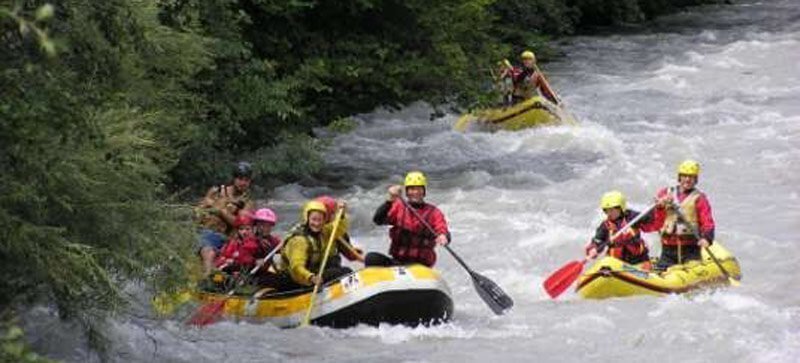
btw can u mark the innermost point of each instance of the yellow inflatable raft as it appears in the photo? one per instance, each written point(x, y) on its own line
point(408, 295)
point(611, 277)
point(534, 112)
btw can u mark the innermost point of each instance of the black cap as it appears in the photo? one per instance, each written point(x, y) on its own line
point(243, 170)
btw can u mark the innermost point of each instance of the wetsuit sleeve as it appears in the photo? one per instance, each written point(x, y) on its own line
point(296, 251)
point(600, 239)
point(438, 222)
point(347, 249)
point(653, 221)
point(705, 218)
point(381, 216)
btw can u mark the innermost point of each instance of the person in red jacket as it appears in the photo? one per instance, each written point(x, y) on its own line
point(628, 246)
point(411, 241)
point(679, 238)
point(240, 251)
point(527, 80)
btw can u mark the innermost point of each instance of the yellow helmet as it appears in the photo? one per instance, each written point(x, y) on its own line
point(313, 205)
point(416, 179)
point(528, 55)
point(613, 199)
point(689, 167)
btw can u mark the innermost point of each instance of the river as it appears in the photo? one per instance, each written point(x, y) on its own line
point(718, 84)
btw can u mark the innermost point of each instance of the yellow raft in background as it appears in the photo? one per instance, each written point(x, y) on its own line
point(611, 277)
point(534, 112)
point(408, 295)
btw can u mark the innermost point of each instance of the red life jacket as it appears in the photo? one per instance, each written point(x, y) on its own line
point(411, 240)
point(628, 246)
point(242, 252)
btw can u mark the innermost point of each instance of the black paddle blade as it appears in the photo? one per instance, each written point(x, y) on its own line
point(492, 294)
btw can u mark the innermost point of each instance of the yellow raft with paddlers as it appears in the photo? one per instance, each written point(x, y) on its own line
point(408, 295)
point(610, 277)
point(533, 112)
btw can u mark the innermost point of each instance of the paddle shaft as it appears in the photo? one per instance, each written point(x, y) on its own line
point(492, 295)
point(631, 223)
point(267, 258)
point(708, 250)
point(324, 262)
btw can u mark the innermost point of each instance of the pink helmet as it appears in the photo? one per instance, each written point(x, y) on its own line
point(329, 202)
point(265, 215)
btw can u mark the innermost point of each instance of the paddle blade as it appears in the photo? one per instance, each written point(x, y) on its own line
point(561, 280)
point(492, 294)
point(207, 314)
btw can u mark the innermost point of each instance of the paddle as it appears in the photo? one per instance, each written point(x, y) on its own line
point(210, 312)
point(336, 221)
point(491, 294)
point(681, 217)
point(547, 84)
point(560, 280)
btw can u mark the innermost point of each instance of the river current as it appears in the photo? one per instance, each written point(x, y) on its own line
point(718, 84)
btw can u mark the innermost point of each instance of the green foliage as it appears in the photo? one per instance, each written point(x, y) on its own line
point(343, 125)
point(84, 156)
point(13, 347)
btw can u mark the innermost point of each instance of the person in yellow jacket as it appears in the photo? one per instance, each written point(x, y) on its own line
point(302, 253)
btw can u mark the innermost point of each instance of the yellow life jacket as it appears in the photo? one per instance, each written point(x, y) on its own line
point(672, 226)
point(315, 247)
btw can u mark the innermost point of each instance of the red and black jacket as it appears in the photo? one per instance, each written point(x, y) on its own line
point(412, 242)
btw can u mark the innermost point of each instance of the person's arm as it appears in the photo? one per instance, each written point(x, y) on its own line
point(705, 219)
point(544, 87)
point(439, 224)
point(600, 239)
point(653, 221)
point(296, 251)
point(341, 230)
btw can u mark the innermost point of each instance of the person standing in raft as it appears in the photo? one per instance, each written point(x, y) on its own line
point(411, 241)
point(628, 246)
point(678, 241)
point(218, 210)
point(302, 253)
point(526, 80)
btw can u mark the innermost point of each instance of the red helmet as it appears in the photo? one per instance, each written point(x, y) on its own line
point(244, 219)
point(265, 215)
point(329, 202)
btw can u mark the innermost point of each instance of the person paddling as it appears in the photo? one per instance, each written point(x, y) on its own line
point(302, 253)
point(629, 246)
point(678, 241)
point(411, 241)
point(527, 80)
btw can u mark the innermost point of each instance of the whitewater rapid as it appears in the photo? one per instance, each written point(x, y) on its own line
point(717, 84)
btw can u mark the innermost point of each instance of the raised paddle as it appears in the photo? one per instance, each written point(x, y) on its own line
point(730, 278)
point(336, 221)
point(547, 84)
point(492, 294)
point(560, 280)
point(210, 312)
